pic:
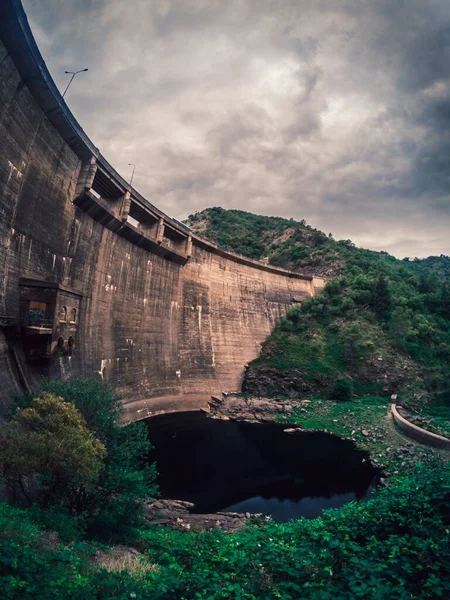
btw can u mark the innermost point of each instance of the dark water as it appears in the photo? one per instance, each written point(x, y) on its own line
point(245, 467)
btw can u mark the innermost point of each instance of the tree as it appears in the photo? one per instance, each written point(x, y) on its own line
point(111, 505)
point(114, 506)
point(428, 282)
point(445, 300)
point(47, 450)
point(382, 299)
point(400, 324)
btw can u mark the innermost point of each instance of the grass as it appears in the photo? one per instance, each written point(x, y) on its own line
point(316, 358)
point(119, 560)
point(366, 421)
point(436, 419)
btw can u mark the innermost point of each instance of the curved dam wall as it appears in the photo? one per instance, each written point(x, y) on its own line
point(96, 280)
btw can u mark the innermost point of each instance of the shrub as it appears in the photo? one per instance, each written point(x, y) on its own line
point(110, 506)
point(357, 342)
point(343, 390)
point(333, 288)
point(33, 564)
point(47, 452)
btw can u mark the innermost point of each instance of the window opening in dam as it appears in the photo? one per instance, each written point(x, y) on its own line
point(230, 466)
point(36, 312)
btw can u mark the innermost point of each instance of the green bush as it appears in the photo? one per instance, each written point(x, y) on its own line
point(333, 288)
point(342, 390)
point(34, 565)
point(48, 455)
point(112, 506)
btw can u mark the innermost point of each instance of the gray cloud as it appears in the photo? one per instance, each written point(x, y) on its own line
point(336, 112)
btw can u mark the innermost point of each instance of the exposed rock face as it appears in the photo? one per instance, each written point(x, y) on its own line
point(256, 410)
point(390, 373)
point(264, 381)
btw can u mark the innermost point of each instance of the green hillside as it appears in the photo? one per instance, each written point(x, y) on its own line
point(381, 325)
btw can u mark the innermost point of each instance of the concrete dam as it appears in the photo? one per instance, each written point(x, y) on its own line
point(95, 279)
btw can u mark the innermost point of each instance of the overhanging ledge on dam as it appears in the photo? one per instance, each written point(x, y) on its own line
point(159, 312)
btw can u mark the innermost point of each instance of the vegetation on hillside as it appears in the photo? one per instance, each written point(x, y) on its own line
point(283, 242)
point(381, 323)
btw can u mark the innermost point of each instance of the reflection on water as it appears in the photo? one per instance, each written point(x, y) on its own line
point(257, 468)
point(284, 510)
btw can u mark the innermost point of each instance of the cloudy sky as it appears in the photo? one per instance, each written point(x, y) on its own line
point(333, 111)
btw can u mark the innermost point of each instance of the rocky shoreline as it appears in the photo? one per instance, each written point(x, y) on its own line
point(176, 515)
point(253, 410)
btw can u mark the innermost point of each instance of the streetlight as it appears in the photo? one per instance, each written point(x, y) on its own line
point(73, 73)
point(132, 174)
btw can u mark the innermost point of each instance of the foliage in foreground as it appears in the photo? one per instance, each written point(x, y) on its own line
point(394, 546)
point(47, 452)
point(85, 464)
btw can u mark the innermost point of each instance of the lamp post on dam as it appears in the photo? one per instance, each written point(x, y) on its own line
point(132, 174)
point(73, 73)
